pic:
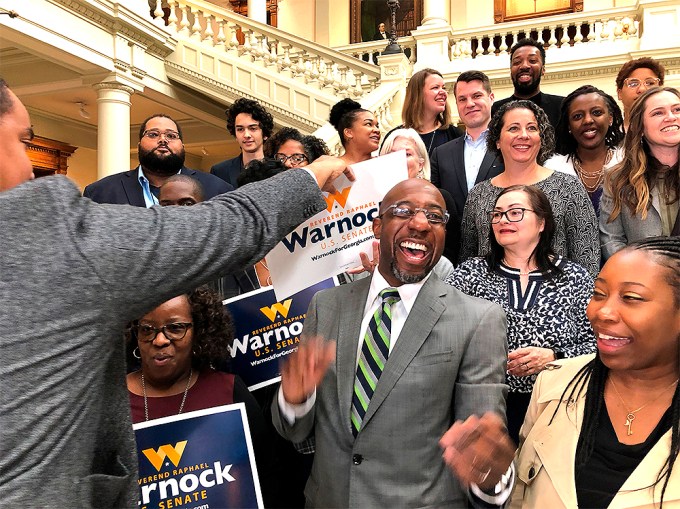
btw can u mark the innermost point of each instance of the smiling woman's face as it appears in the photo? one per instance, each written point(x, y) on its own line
point(163, 360)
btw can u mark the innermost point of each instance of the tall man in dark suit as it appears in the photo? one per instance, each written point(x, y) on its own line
point(251, 125)
point(407, 366)
point(527, 67)
point(161, 155)
point(461, 163)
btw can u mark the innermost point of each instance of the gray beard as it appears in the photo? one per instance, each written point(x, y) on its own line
point(407, 278)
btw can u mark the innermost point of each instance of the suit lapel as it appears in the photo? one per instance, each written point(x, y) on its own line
point(132, 189)
point(459, 165)
point(350, 315)
point(424, 315)
point(485, 167)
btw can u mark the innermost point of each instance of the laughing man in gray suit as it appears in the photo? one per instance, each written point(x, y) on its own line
point(377, 430)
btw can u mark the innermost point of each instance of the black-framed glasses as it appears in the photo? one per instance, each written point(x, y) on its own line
point(514, 215)
point(433, 216)
point(635, 82)
point(154, 134)
point(296, 159)
point(172, 331)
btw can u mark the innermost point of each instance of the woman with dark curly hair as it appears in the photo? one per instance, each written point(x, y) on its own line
point(588, 136)
point(293, 149)
point(642, 195)
point(178, 344)
point(521, 134)
point(358, 130)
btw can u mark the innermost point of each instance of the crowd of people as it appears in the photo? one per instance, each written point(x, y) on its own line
point(516, 343)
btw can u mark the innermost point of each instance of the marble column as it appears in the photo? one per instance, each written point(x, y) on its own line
point(435, 13)
point(113, 130)
point(257, 10)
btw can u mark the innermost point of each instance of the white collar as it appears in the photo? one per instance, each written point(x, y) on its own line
point(407, 292)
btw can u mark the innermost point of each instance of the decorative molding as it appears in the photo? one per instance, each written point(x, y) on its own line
point(223, 91)
point(113, 24)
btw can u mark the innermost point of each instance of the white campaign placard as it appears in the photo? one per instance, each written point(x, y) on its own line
point(330, 242)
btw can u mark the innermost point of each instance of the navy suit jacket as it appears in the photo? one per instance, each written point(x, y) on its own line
point(448, 170)
point(228, 170)
point(124, 188)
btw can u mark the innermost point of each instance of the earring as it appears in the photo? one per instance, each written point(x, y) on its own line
point(135, 353)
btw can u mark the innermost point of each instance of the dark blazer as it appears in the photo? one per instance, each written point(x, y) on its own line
point(228, 170)
point(448, 170)
point(124, 189)
point(448, 363)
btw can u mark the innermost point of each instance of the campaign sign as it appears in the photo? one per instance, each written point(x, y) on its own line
point(266, 330)
point(198, 459)
point(329, 243)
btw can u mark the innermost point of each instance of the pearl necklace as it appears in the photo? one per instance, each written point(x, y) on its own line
point(598, 175)
point(529, 271)
point(184, 397)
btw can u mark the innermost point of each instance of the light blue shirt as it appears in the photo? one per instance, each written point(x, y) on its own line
point(473, 155)
point(149, 199)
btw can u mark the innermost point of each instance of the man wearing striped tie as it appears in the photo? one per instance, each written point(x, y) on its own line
point(387, 364)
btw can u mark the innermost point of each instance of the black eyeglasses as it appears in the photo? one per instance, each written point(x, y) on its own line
point(408, 212)
point(294, 158)
point(154, 134)
point(635, 82)
point(172, 331)
point(514, 215)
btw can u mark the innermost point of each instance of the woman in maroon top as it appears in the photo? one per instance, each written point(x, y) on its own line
point(177, 344)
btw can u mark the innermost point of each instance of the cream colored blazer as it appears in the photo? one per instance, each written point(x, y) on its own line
point(545, 459)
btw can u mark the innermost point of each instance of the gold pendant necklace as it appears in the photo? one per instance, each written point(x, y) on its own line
point(184, 397)
point(630, 417)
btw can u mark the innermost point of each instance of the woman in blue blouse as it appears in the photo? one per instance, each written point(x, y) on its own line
point(544, 295)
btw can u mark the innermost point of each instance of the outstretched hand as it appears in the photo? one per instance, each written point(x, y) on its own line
point(478, 450)
point(367, 264)
point(326, 169)
point(304, 369)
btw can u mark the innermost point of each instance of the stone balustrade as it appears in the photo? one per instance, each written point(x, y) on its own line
point(278, 51)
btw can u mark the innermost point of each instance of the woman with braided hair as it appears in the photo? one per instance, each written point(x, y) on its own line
point(617, 412)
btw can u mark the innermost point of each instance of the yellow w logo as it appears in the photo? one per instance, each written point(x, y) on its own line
point(174, 454)
point(339, 196)
point(281, 307)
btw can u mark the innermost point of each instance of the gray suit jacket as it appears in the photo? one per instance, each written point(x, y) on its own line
point(627, 227)
point(448, 363)
point(74, 272)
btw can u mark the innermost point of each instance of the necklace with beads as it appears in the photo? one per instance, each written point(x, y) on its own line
point(630, 416)
point(184, 397)
point(596, 178)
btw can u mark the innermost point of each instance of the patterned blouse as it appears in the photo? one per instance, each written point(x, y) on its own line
point(576, 227)
point(551, 313)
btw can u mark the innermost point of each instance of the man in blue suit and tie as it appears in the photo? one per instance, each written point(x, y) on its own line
point(161, 155)
point(461, 163)
point(251, 125)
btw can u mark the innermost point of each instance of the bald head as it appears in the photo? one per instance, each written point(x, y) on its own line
point(181, 190)
point(16, 133)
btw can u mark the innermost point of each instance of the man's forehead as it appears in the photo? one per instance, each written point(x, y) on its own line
point(163, 123)
point(414, 191)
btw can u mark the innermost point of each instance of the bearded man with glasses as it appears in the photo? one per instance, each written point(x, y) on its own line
point(161, 155)
point(408, 356)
